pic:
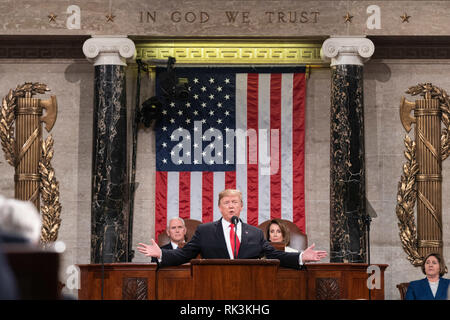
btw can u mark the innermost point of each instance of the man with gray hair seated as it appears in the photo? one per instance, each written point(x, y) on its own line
point(176, 231)
point(19, 221)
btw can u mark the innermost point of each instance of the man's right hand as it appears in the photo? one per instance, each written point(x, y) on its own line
point(150, 250)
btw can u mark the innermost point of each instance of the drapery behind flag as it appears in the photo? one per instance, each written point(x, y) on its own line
point(240, 128)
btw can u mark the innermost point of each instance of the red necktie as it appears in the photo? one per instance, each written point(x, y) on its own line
point(232, 236)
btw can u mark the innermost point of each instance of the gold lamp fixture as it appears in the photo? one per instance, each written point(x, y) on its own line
point(21, 138)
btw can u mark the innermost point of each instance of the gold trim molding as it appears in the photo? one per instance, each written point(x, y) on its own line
point(233, 52)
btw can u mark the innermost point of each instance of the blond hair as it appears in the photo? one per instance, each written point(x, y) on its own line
point(230, 192)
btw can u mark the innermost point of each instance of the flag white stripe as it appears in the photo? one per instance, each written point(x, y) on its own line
point(196, 195)
point(173, 198)
point(286, 146)
point(263, 146)
point(241, 123)
point(218, 186)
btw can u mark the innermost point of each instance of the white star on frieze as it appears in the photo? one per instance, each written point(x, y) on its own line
point(172, 137)
point(195, 145)
point(219, 154)
point(180, 129)
point(227, 162)
point(227, 146)
point(188, 137)
point(195, 113)
point(180, 113)
point(196, 96)
point(211, 146)
point(164, 128)
point(203, 137)
point(195, 129)
point(219, 89)
point(203, 105)
point(180, 145)
point(211, 113)
point(188, 153)
point(180, 161)
point(164, 145)
point(203, 153)
point(211, 80)
point(188, 105)
point(227, 81)
point(172, 120)
point(164, 160)
point(219, 104)
point(195, 80)
point(164, 112)
point(195, 161)
point(211, 161)
point(172, 104)
point(188, 121)
point(219, 138)
point(211, 129)
point(227, 113)
point(172, 152)
point(226, 129)
point(227, 97)
point(219, 121)
point(211, 96)
point(203, 88)
point(203, 121)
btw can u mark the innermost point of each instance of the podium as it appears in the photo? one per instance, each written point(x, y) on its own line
point(243, 279)
point(223, 279)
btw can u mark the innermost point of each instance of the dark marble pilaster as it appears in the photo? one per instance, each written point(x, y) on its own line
point(109, 211)
point(347, 159)
point(347, 166)
point(109, 206)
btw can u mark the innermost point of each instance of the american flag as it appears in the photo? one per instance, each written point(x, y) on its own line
point(240, 128)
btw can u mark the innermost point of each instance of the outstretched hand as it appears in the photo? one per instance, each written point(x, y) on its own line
point(313, 255)
point(150, 250)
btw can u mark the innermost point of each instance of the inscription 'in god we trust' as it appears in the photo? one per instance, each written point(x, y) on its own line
point(230, 16)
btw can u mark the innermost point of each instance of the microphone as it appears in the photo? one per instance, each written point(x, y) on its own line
point(235, 221)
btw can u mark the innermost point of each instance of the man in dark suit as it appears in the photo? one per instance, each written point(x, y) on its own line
point(221, 239)
point(176, 231)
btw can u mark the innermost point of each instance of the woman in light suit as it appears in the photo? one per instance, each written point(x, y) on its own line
point(433, 287)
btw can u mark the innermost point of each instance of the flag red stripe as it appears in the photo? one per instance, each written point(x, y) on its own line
point(252, 169)
point(230, 180)
point(207, 196)
point(184, 195)
point(275, 159)
point(298, 149)
point(160, 203)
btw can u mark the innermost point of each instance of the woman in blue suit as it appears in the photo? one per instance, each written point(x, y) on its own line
point(433, 287)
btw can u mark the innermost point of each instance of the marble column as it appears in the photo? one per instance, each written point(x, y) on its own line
point(347, 164)
point(109, 199)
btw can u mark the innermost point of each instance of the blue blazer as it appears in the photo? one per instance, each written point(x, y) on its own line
point(420, 290)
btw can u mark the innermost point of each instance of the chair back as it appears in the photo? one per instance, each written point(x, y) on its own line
point(191, 226)
point(298, 240)
point(402, 288)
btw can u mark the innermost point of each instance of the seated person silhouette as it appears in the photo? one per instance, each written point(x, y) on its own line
point(176, 231)
point(278, 232)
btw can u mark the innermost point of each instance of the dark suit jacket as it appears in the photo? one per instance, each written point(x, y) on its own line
point(209, 241)
point(420, 290)
point(166, 247)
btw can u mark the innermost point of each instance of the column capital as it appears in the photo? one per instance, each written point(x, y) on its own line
point(347, 50)
point(109, 50)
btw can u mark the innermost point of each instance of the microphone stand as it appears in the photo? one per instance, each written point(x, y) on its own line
point(367, 221)
point(235, 240)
